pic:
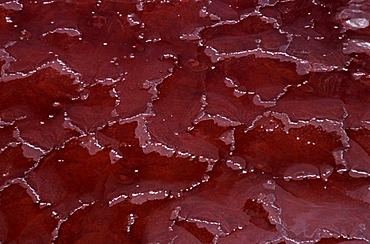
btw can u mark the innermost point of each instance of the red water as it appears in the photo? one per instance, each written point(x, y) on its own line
point(190, 121)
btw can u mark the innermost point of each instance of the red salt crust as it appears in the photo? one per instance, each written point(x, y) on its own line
point(22, 220)
point(219, 121)
point(14, 164)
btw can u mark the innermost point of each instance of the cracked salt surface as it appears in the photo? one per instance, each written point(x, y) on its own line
point(184, 121)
